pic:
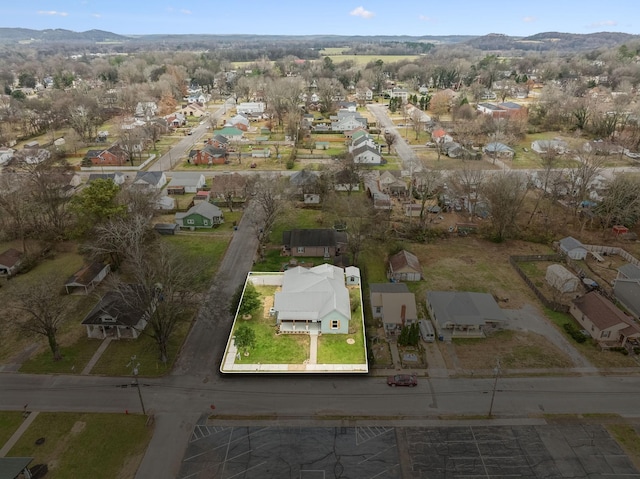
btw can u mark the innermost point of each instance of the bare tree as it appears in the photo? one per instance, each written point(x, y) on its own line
point(162, 284)
point(15, 208)
point(621, 202)
point(45, 310)
point(550, 162)
point(390, 139)
point(505, 193)
point(468, 183)
point(269, 195)
point(426, 185)
point(580, 177)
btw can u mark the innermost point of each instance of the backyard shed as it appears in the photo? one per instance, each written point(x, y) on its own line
point(561, 279)
point(573, 248)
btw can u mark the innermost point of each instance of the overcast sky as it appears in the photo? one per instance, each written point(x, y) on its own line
point(340, 17)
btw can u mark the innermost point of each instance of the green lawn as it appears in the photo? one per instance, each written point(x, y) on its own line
point(207, 250)
point(9, 423)
point(298, 218)
point(334, 348)
point(99, 446)
point(273, 261)
point(117, 356)
point(74, 358)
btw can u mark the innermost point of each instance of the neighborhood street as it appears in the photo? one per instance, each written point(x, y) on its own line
point(195, 388)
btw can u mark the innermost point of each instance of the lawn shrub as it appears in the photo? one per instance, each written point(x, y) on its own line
point(574, 332)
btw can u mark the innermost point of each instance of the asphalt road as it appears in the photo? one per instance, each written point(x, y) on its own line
point(180, 399)
point(179, 150)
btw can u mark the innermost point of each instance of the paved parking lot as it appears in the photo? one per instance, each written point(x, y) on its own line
point(462, 452)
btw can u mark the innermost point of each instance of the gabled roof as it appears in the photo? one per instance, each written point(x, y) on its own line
point(125, 313)
point(312, 294)
point(570, 243)
point(215, 152)
point(364, 149)
point(206, 209)
point(11, 467)
point(393, 305)
point(221, 139)
point(152, 178)
point(404, 260)
point(630, 271)
point(10, 257)
point(497, 147)
point(86, 274)
point(229, 131)
point(464, 308)
point(627, 291)
point(313, 237)
point(303, 178)
point(600, 311)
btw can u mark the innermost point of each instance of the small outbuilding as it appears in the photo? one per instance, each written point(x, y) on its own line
point(87, 278)
point(10, 261)
point(561, 279)
point(404, 266)
point(573, 248)
point(352, 275)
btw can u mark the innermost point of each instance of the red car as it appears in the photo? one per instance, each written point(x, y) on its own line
point(410, 380)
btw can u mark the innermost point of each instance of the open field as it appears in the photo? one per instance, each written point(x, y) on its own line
point(362, 60)
point(516, 350)
point(86, 445)
point(9, 422)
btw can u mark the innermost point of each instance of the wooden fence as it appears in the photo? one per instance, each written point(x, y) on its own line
point(514, 260)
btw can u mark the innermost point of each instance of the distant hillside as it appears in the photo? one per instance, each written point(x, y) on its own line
point(25, 35)
point(566, 42)
point(548, 41)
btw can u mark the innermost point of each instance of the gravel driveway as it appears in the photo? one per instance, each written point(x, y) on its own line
point(528, 318)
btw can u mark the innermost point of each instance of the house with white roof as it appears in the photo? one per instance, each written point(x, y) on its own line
point(313, 300)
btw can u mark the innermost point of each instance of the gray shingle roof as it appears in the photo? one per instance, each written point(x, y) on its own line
point(464, 308)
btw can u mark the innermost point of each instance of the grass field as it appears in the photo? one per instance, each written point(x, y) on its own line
point(117, 357)
point(9, 423)
point(516, 350)
point(99, 446)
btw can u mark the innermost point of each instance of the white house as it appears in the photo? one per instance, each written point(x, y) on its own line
point(190, 182)
point(150, 179)
point(367, 155)
point(315, 299)
point(250, 107)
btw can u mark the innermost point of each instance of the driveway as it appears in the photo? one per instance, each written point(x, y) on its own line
point(528, 318)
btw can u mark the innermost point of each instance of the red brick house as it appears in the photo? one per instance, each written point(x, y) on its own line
point(209, 155)
point(113, 156)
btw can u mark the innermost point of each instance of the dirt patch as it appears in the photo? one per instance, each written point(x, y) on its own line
point(78, 427)
point(516, 350)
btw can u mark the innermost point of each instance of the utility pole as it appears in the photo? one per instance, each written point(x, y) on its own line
point(134, 369)
point(495, 384)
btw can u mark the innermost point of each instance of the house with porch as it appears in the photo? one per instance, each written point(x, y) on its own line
point(87, 278)
point(117, 317)
point(202, 215)
point(605, 322)
point(209, 155)
point(313, 301)
point(112, 156)
point(462, 314)
point(394, 305)
point(325, 243)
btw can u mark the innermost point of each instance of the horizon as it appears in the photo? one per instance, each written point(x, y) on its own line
point(359, 18)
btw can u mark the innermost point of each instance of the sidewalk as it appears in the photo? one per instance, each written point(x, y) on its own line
point(96, 356)
point(18, 434)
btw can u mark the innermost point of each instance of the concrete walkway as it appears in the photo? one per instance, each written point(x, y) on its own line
point(96, 356)
point(18, 434)
point(395, 355)
point(313, 347)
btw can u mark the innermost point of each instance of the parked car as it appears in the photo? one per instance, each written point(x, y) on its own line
point(410, 380)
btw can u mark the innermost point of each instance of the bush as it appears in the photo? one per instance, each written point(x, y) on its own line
point(289, 164)
point(574, 332)
point(409, 336)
